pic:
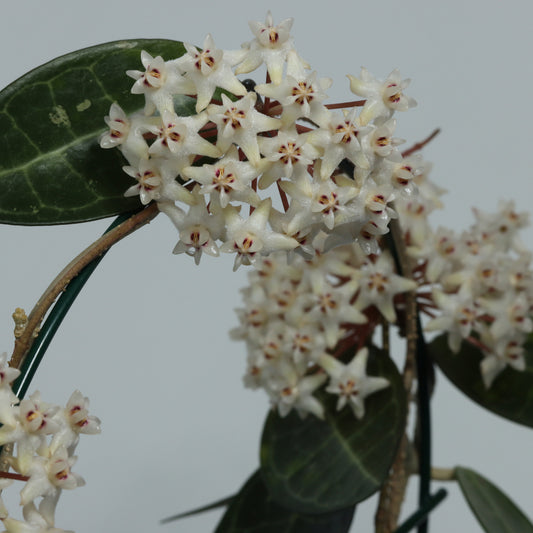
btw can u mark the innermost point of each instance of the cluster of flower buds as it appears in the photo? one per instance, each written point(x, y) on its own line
point(272, 171)
point(477, 285)
point(44, 437)
point(222, 174)
point(300, 317)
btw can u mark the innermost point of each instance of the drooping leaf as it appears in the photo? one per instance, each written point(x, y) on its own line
point(511, 393)
point(315, 466)
point(52, 169)
point(223, 502)
point(254, 511)
point(494, 510)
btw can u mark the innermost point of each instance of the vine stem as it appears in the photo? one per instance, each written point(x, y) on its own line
point(418, 146)
point(10, 475)
point(411, 332)
point(393, 490)
point(96, 249)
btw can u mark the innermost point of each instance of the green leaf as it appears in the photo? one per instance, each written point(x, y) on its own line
point(315, 466)
point(511, 393)
point(254, 511)
point(494, 510)
point(52, 169)
point(223, 502)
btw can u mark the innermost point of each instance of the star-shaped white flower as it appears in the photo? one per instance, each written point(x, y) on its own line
point(383, 97)
point(379, 284)
point(209, 69)
point(227, 180)
point(156, 181)
point(285, 151)
point(332, 199)
point(126, 133)
point(301, 97)
point(239, 122)
point(404, 172)
point(340, 139)
point(178, 138)
point(350, 381)
point(270, 46)
point(158, 82)
point(149, 182)
point(459, 314)
point(153, 77)
point(249, 237)
point(384, 144)
point(50, 475)
point(332, 306)
point(289, 389)
point(119, 125)
point(77, 418)
point(198, 229)
point(506, 351)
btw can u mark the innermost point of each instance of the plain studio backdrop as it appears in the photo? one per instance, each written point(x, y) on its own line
point(147, 340)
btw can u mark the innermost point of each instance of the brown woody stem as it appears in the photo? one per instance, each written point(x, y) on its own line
point(418, 146)
point(393, 490)
point(96, 249)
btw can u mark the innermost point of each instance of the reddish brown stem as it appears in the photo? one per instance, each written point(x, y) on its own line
point(254, 187)
point(424, 309)
point(96, 249)
point(209, 130)
point(283, 196)
point(477, 343)
point(393, 490)
point(18, 477)
point(213, 100)
point(418, 146)
point(342, 105)
point(303, 129)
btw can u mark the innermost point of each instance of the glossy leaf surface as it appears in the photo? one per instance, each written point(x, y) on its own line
point(254, 511)
point(511, 393)
point(494, 510)
point(52, 169)
point(315, 466)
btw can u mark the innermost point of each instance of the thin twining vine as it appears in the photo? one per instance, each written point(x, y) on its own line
point(24, 342)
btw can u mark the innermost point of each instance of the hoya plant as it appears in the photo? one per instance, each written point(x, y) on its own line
point(330, 214)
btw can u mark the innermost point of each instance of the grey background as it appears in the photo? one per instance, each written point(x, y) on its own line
point(147, 340)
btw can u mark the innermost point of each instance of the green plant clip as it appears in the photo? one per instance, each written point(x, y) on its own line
point(420, 516)
point(57, 314)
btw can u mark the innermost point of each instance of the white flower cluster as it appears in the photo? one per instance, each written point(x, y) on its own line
point(480, 282)
point(275, 144)
point(297, 315)
point(272, 168)
point(300, 317)
point(45, 437)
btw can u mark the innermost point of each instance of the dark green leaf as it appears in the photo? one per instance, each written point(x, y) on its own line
point(52, 169)
point(315, 466)
point(511, 393)
point(223, 502)
point(254, 511)
point(494, 510)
